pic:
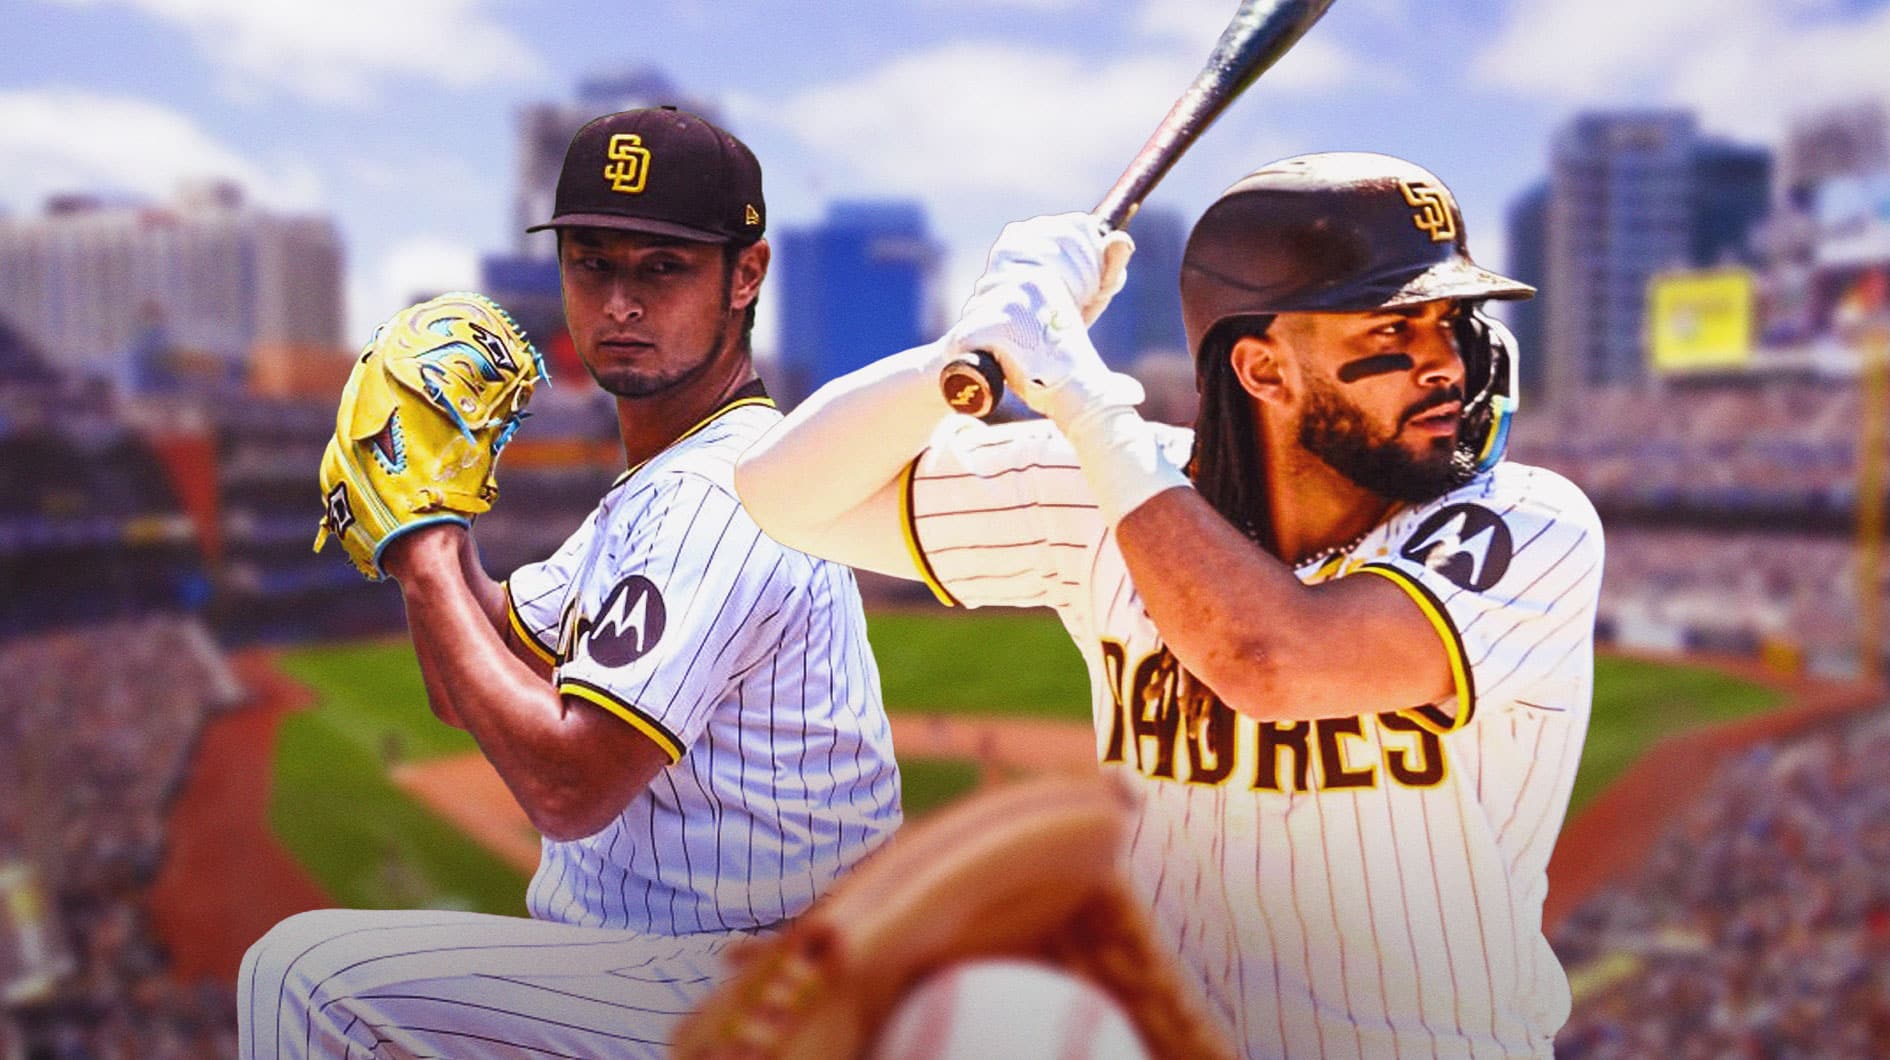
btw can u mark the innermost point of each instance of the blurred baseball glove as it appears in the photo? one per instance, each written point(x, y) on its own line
point(434, 396)
point(1025, 871)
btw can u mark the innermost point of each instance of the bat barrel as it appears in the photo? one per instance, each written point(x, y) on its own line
point(1261, 31)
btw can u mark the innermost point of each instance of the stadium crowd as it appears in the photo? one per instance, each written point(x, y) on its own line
point(1760, 926)
point(1734, 591)
point(97, 728)
point(1787, 445)
point(1729, 513)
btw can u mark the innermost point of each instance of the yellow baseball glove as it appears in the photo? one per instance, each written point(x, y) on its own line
point(434, 396)
point(1024, 871)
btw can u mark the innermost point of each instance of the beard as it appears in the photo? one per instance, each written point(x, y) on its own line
point(1336, 431)
point(636, 381)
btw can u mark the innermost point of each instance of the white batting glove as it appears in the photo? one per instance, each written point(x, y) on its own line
point(1090, 263)
point(1032, 326)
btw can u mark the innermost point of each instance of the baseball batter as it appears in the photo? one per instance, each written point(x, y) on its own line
point(1341, 649)
point(686, 709)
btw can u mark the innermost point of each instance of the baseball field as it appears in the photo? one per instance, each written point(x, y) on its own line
point(338, 807)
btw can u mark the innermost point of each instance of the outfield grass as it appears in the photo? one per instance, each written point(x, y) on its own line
point(372, 846)
point(1637, 703)
point(369, 844)
point(929, 783)
point(987, 662)
point(372, 694)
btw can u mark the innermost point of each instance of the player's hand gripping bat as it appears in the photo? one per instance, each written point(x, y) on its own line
point(1261, 32)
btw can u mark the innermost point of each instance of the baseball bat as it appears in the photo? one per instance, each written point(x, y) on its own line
point(1260, 32)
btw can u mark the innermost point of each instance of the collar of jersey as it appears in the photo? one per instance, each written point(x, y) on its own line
point(752, 393)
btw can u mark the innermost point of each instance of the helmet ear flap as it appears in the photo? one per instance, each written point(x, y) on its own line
point(1491, 394)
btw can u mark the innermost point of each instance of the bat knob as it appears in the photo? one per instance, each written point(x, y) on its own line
point(972, 385)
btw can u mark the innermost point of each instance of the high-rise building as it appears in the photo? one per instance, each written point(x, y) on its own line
point(1632, 194)
point(852, 290)
point(1732, 193)
point(1528, 261)
point(90, 282)
point(1145, 316)
point(1620, 210)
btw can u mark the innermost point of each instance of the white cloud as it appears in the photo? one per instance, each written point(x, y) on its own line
point(1316, 63)
point(986, 133)
point(1747, 66)
point(419, 266)
point(436, 175)
point(62, 140)
point(336, 50)
point(982, 119)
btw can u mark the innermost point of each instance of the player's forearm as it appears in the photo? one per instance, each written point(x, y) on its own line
point(439, 693)
point(489, 595)
point(1269, 646)
point(557, 760)
point(818, 481)
point(461, 655)
point(491, 601)
point(1219, 602)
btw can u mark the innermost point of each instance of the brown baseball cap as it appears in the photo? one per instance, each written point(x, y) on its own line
point(663, 171)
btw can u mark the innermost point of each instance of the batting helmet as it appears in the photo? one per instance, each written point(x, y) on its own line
point(1348, 232)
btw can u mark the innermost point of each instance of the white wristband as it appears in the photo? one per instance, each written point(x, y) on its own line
point(1121, 458)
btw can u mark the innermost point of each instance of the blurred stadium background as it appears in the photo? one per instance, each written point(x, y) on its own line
point(204, 727)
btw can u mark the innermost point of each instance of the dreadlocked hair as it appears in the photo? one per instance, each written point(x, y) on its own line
point(1225, 463)
point(1225, 466)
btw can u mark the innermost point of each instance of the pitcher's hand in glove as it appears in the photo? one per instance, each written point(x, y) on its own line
point(433, 398)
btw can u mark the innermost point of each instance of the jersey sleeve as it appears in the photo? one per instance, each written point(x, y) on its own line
point(1509, 574)
point(534, 594)
point(1000, 515)
point(686, 595)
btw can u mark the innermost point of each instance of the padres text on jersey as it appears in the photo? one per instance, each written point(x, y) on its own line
point(1363, 886)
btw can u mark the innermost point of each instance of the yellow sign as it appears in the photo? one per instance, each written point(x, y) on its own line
point(629, 163)
point(1433, 210)
point(1699, 320)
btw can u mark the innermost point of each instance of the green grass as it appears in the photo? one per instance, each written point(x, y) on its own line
point(372, 694)
point(930, 783)
point(1637, 703)
point(369, 844)
point(996, 662)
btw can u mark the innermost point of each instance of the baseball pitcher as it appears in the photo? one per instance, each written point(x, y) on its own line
point(686, 709)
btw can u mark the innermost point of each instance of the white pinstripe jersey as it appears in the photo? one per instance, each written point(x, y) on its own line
point(747, 663)
point(1368, 886)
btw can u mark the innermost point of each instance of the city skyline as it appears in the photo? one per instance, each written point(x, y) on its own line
point(980, 113)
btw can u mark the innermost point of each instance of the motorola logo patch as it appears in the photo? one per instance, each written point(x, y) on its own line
point(629, 624)
point(1466, 543)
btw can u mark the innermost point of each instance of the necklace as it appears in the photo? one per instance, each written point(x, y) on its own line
point(1327, 553)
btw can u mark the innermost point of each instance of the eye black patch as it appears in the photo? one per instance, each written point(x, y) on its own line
point(1379, 364)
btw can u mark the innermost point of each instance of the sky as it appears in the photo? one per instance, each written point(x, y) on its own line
point(396, 117)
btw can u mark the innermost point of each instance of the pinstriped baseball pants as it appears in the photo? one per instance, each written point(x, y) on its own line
point(382, 984)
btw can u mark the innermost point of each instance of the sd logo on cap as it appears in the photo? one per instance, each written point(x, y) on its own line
point(663, 171)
